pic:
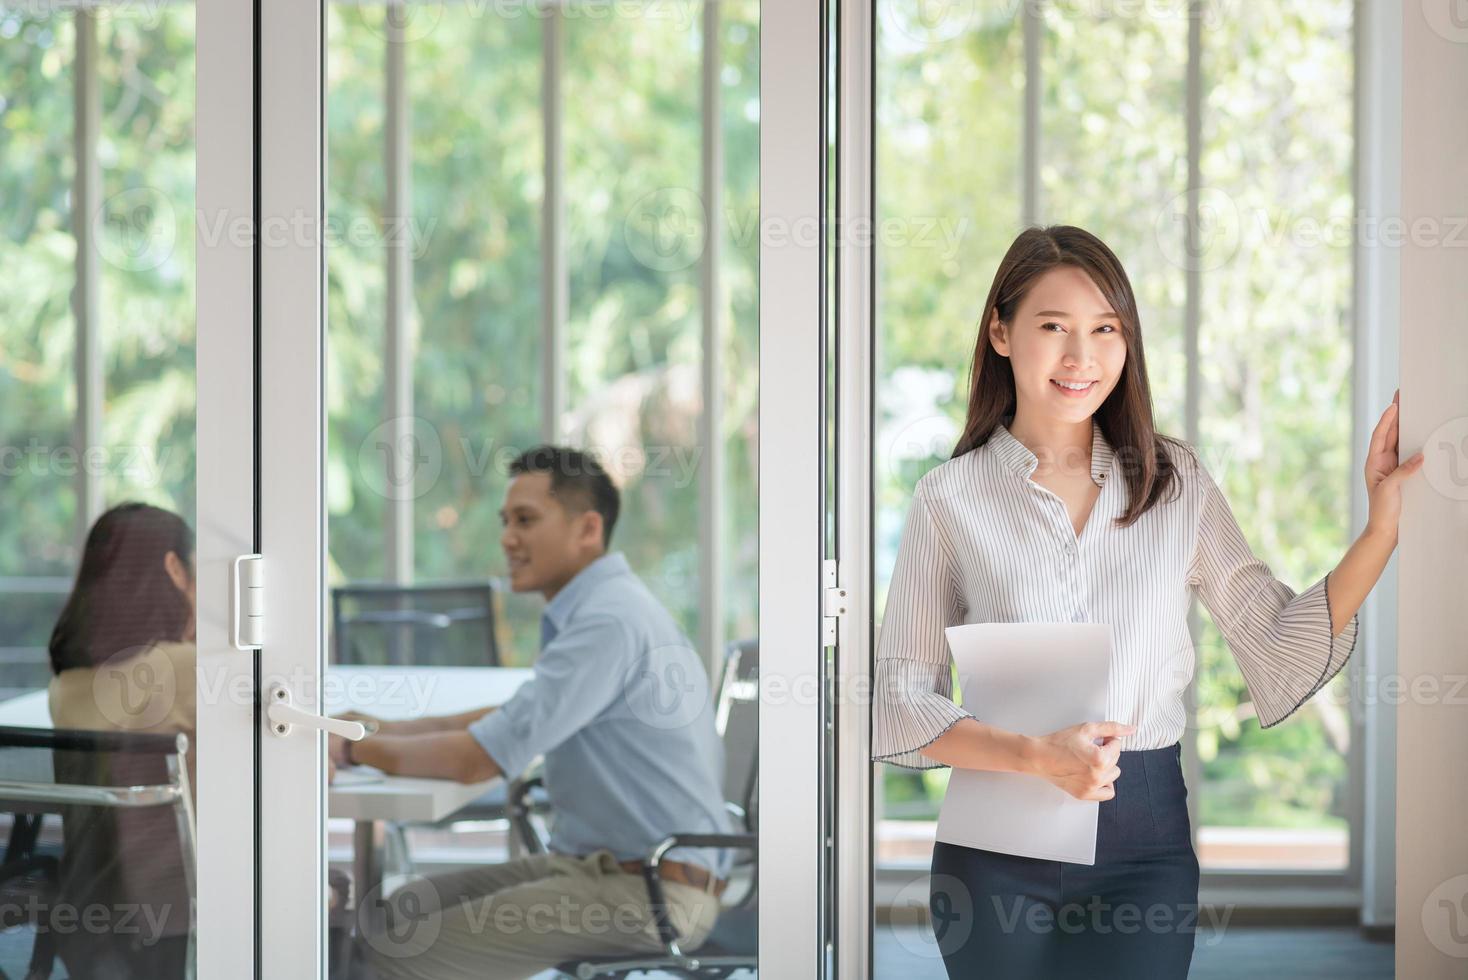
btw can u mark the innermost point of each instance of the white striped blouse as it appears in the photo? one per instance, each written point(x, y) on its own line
point(983, 543)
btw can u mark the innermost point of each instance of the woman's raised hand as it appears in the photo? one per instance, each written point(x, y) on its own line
point(1072, 760)
point(1384, 474)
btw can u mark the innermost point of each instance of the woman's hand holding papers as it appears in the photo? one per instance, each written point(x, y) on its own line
point(1071, 759)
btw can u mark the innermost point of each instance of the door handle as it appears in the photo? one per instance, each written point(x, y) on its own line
point(284, 716)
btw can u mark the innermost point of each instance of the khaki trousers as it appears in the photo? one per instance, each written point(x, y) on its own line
point(516, 919)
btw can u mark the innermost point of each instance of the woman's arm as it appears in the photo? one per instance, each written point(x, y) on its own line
point(1289, 645)
point(1361, 568)
point(1069, 758)
point(972, 744)
point(1357, 575)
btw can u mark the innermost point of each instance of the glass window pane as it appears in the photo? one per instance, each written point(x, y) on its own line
point(1274, 264)
point(438, 572)
point(1277, 151)
point(97, 449)
point(939, 83)
point(1113, 156)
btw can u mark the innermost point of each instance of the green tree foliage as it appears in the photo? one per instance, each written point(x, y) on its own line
point(631, 174)
point(1275, 345)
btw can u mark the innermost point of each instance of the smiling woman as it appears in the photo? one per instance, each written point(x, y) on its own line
point(1003, 532)
point(1093, 125)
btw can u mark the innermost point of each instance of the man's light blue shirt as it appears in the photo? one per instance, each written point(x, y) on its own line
point(620, 706)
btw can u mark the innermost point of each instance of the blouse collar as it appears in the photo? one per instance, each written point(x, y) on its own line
point(1014, 454)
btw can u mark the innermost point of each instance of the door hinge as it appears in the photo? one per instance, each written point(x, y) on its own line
point(247, 617)
point(833, 601)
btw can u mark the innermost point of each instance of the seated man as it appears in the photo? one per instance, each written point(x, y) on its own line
point(619, 706)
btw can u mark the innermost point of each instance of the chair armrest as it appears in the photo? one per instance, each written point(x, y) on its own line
point(517, 799)
point(657, 901)
point(520, 789)
point(85, 740)
point(744, 842)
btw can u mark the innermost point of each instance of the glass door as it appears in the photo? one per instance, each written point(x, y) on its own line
point(127, 784)
point(979, 119)
point(542, 506)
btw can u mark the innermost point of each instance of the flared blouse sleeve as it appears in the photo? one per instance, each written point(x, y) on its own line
point(1281, 641)
point(913, 684)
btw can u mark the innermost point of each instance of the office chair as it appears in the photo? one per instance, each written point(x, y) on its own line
point(446, 624)
point(127, 841)
point(733, 944)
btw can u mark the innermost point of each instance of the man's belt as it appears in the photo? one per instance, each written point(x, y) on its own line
point(681, 873)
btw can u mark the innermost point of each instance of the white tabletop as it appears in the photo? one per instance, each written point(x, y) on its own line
point(27, 711)
point(396, 693)
point(391, 693)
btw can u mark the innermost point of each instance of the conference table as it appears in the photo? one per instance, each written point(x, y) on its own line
point(362, 795)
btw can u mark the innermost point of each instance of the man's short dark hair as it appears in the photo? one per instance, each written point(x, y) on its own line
point(577, 480)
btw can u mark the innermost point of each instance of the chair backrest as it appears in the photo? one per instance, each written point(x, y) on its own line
point(127, 832)
point(737, 720)
point(448, 624)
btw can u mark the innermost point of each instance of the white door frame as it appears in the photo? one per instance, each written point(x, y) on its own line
point(292, 538)
point(855, 421)
point(226, 503)
point(292, 463)
point(792, 937)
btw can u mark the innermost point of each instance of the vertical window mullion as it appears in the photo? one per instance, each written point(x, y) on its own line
point(710, 423)
point(1033, 36)
point(85, 202)
point(1192, 324)
point(398, 328)
point(554, 286)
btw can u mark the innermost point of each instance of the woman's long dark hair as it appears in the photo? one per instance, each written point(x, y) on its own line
point(123, 597)
point(1126, 415)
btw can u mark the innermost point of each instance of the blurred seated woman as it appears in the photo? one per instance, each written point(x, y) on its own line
point(124, 659)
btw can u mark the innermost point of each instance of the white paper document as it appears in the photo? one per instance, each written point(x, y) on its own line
point(357, 776)
point(1031, 678)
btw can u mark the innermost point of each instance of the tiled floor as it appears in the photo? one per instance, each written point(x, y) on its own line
point(1337, 953)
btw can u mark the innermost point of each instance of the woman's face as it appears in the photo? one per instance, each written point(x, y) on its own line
point(1064, 330)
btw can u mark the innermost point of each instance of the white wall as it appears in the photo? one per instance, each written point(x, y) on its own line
point(1432, 560)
